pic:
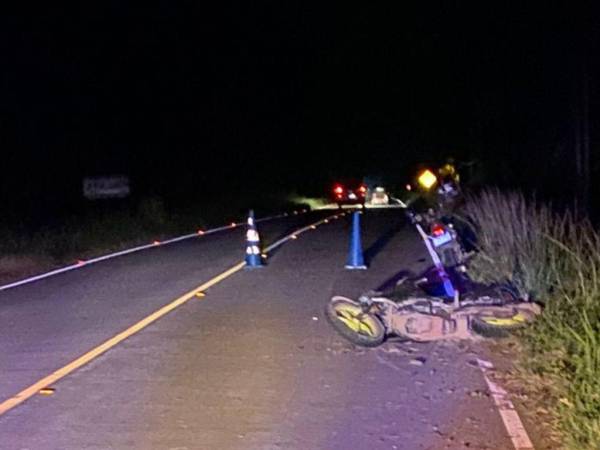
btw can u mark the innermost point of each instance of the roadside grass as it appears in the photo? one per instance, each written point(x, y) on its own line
point(101, 229)
point(554, 259)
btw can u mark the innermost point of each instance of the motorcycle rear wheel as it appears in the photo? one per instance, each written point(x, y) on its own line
point(507, 294)
point(449, 257)
point(359, 327)
point(498, 326)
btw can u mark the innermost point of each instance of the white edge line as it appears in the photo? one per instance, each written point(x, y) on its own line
point(58, 374)
point(512, 422)
point(135, 249)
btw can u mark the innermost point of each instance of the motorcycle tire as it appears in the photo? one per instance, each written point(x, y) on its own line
point(357, 326)
point(449, 258)
point(506, 294)
point(497, 326)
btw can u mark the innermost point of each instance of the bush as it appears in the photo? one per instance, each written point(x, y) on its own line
point(152, 210)
point(512, 241)
point(103, 227)
point(557, 259)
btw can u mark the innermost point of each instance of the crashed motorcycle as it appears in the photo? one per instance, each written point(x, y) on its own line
point(440, 237)
point(440, 304)
point(374, 317)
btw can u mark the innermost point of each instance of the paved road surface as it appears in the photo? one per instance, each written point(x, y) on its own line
point(253, 365)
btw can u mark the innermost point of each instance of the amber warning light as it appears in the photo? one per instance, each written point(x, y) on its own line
point(427, 179)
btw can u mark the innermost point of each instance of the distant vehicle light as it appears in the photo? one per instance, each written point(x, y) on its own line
point(379, 189)
point(349, 192)
point(427, 179)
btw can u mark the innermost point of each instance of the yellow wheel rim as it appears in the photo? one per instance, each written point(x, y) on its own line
point(517, 319)
point(356, 320)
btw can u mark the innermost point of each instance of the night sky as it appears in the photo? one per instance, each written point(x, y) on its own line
point(183, 97)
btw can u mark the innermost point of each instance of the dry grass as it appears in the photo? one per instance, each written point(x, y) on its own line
point(103, 230)
point(556, 260)
point(14, 267)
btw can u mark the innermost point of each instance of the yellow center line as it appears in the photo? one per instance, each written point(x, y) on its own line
point(107, 345)
point(45, 382)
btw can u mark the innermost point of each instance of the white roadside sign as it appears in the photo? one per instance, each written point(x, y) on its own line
point(114, 186)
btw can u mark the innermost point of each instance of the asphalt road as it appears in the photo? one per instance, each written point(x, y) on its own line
point(252, 365)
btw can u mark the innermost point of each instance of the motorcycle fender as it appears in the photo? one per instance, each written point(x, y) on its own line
point(428, 327)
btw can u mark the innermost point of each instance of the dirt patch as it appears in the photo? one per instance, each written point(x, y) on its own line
point(17, 267)
point(526, 394)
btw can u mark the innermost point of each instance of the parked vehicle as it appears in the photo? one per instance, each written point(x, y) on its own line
point(349, 192)
point(379, 196)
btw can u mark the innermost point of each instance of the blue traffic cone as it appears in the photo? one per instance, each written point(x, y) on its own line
point(355, 257)
point(253, 256)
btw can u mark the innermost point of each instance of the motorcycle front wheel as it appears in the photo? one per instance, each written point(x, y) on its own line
point(359, 327)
